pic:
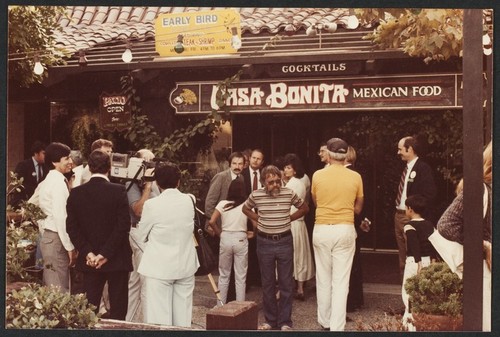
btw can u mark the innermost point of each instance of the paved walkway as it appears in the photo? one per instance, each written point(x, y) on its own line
point(377, 314)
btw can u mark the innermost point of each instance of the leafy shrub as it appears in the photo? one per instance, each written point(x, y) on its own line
point(20, 248)
point(436, 290)
point(42, 307)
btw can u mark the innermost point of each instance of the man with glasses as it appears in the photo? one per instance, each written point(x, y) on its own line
point(275, 244)
point(323, 155)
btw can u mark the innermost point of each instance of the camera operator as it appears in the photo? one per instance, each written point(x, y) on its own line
point(138, 191)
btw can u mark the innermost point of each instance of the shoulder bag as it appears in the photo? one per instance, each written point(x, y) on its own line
point(206, 257)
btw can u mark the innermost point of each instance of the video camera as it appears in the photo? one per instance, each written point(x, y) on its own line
point(128, 167)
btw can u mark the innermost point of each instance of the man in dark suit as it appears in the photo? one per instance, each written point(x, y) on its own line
point(98, 224)
point(251, 176)
point(417, 178)
point(32, 171)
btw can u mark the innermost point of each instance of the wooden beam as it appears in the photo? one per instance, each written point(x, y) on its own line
point(473, 169)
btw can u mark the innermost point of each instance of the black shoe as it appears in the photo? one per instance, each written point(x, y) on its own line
point(324, 329)
point(300, 297)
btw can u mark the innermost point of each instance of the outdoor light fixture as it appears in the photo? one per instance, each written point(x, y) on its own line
point(179, 46)
point(235, 40)
point(38, 68)
point(487, 46)
point(82, 59)
point(127, 54)
point(352, 22)
point(315, 29)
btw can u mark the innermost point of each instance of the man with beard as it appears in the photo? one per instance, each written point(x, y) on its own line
point(219, 186)
point(275, 245)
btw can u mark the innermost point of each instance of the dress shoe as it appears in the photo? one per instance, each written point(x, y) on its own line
point(300, 297)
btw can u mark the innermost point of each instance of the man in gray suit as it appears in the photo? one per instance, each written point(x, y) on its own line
point(219, 185)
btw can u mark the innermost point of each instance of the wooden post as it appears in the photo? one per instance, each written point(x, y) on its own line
point(472, 165)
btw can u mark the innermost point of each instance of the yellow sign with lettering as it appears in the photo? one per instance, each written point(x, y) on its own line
point(198, 33)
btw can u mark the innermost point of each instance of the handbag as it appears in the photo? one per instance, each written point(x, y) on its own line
point(206, 257)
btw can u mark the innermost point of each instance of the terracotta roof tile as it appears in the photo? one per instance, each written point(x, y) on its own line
point(113, 13)
point(102, 24)
point(100, 14)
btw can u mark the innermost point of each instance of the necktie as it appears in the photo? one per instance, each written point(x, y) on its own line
point(254, 185)
point(401, 186)
point(39, 173)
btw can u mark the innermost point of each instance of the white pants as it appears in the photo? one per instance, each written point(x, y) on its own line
point(136, 296)
point(334, 247)
point(169, 302)
point(486, 298)
point(233, 245)
point(411, 268)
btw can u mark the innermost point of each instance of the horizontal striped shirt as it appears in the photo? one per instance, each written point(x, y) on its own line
point(274, 212)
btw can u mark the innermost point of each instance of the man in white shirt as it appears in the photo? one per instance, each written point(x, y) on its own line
point(58, 252)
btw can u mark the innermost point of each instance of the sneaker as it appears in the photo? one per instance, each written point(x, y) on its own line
point(286, 327)
point(265, 326)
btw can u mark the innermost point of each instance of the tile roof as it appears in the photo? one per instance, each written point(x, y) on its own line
point(87, 27)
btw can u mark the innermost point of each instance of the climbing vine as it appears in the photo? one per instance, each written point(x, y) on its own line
point(142, 134)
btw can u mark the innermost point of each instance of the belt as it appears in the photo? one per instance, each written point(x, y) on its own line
point(400, 211)
point(274, 237)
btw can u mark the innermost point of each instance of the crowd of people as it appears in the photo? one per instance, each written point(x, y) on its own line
point(105, 239)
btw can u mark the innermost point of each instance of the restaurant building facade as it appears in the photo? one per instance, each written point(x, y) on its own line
point(297, 88)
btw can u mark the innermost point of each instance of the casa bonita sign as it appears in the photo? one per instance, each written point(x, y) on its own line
point(324, 94)
point(115, 112)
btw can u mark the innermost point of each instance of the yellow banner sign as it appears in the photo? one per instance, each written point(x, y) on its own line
point(198, 33)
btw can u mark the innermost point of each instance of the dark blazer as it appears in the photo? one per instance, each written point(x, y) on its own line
point(421, 181)
point(98, 221)
point(248, 180)
point(26, 170)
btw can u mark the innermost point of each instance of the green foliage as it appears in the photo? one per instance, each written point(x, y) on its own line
point(385, 323)
point(375, 138)
point(21, 236)
point(19, 249)
point(44, 307)
point(436, 290)
point(15, 185)
point(433, 34)
point(441, 131)
point(85, 129)
point(143, 135)
point(31, 31)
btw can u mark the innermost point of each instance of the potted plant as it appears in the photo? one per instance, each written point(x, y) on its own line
point(436, 299)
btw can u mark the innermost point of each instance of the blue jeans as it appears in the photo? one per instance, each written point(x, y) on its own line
point(276, 257)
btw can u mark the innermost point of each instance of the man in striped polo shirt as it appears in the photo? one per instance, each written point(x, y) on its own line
point(275, 244)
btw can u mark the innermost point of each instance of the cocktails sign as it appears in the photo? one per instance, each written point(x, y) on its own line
point(324, 94)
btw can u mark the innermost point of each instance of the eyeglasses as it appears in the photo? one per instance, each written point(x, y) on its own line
point(274, 182)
